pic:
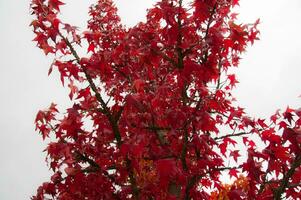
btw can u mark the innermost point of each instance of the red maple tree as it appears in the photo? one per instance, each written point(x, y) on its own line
point(153, 115)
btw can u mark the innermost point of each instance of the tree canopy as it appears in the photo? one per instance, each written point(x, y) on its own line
point(153, 116)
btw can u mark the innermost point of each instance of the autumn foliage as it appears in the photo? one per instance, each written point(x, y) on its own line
point(153, 115)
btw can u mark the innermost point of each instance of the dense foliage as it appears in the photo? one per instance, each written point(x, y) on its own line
point(153, 116)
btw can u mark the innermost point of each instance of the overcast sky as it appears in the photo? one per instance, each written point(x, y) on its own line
point(269, 78)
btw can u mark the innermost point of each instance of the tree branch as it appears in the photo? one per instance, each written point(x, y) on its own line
point(184, 150)
point(232, 135)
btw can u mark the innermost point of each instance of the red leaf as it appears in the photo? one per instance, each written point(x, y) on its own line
point(55, 4)
point(266, 134)
point(138, 85)
point(261, 123)
point(282, 124)
point(229, 140)
point(253, 36)
point(49, 188)
point(235, 154)
point(73, 89)
point(232, 79)
point(288, 115)
point(235, 2)
point(233, 173)
point(275, 117)
point(40, 116)
point(91, 48)
point(70, 171)
point(223, 148)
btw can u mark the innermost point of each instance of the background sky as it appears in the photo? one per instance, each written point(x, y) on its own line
point(269, 76)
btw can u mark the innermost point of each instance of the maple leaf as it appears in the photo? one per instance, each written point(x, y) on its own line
point(262, 123)
point(40, 116)
point(235, 154)
point(55, 4)
point(281, 153)
point(70, 171)
point(44, 130)
point(73, 89)
point(248, 142)
point(298, 112)
point(266, 134)
point(229, 140)
point(52, 108)
point(282, 124)
point(91, 48)
point(233, 16)
point(288, 114)
point(233, 173)
point(232, 80)
point(235, 2)
point(253, 36)
point(275, 117)
point(85, 93)
point(69, 28)
point(252, 144)
point(223, 147)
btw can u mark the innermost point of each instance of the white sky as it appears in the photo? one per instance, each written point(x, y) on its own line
point(269, 78)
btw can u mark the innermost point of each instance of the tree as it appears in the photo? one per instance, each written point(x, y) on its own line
point(153, 116)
